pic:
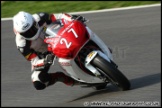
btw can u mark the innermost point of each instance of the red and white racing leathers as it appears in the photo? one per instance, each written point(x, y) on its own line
point(32, 50)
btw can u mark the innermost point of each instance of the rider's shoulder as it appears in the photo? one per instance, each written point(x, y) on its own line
point(38, 16)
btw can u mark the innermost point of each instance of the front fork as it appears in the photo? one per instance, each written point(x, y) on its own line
point(94, 70)
point(90, 57)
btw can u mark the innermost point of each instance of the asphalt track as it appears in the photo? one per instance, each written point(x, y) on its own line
point(135, 37)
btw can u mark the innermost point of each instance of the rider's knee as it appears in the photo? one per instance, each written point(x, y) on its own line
point(40, 79)
point(44, 77)
point(38, 85)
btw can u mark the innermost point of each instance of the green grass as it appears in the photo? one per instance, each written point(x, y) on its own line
point(10, 8)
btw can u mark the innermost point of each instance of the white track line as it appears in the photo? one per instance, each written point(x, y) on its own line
point(104, 10)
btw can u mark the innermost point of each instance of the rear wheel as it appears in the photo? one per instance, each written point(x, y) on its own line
point(113, 74)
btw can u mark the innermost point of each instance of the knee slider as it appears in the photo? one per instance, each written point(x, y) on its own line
point(39, 86)
point(39, 79)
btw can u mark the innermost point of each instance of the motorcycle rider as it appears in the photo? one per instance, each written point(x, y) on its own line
point(29, 38)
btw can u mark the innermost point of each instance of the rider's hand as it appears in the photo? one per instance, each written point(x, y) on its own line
point(48, 59)
point(79, 17)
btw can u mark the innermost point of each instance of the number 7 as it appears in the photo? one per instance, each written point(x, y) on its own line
point(76, 36)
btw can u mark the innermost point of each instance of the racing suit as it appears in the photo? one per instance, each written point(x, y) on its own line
point(36, 52)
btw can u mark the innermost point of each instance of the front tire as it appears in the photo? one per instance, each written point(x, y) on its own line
point(113, 74)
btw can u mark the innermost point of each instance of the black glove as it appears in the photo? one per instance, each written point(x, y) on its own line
point(78, 17)
point(48, 59)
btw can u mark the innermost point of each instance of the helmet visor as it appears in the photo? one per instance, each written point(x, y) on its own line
point(31, 32)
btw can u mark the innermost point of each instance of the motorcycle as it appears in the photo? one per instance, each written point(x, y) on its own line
point(83, 55)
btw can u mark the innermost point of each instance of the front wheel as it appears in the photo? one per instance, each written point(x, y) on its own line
point(113, 74)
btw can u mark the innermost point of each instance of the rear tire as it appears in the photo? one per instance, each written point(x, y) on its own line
point(113, 74)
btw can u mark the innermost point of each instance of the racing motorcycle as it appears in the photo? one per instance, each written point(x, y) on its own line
point(83, 55)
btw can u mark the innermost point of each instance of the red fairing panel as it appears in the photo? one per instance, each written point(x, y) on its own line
point(69, 40)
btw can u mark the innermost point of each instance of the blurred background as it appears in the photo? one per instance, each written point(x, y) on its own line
point(10, 8)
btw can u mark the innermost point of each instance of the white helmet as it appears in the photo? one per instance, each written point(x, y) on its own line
point(25, 24)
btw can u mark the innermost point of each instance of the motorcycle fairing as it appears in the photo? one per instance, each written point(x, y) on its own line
point(69, 39)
